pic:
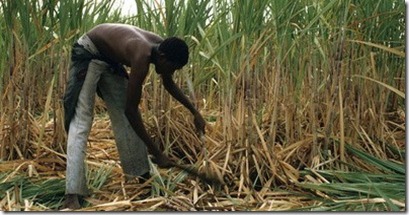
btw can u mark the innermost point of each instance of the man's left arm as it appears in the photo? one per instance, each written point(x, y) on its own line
point(174, 90)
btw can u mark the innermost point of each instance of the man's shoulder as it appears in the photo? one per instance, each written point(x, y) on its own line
point(108, 27)
point(124, 43)
point(120, 31)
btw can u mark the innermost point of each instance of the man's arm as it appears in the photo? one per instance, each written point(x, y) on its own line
point(133, 114)
point(174, 90)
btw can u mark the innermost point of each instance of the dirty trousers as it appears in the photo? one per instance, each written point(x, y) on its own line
point(132, 150)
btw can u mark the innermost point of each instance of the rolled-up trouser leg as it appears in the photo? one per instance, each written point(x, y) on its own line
point(80, 127)
point(132, 150)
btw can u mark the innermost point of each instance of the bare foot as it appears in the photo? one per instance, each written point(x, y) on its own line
point(72, 201)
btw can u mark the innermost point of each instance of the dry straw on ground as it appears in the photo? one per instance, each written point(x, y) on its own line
point(172, 189)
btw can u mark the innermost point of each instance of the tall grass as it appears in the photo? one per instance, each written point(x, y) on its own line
point(36, 40)
point(284, 85)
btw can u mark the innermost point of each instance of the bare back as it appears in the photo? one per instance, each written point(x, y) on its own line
point(123, 43)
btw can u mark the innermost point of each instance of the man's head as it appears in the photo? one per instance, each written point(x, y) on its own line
point(175, 51)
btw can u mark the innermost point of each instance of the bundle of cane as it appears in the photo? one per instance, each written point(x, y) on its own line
point(206, 176)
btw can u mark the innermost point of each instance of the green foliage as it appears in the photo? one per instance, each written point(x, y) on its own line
point(360, 190)
point(47, 193)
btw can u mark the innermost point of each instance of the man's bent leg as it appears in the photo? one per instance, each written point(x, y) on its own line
point(132, 150)
point(80, 127)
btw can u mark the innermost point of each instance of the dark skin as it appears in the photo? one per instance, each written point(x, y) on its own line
point(137, 49)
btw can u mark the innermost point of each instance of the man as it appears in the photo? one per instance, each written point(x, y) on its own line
point(97, 67)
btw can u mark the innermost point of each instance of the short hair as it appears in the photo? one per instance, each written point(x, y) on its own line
point(175, 50)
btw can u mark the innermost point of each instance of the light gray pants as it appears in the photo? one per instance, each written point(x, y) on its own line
point(132, 150)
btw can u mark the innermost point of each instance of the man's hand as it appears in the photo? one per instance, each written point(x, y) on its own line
point(170, 86)
point(200, 123)
point(163, 161)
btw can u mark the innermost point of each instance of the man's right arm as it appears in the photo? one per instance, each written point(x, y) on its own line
point(132, 112)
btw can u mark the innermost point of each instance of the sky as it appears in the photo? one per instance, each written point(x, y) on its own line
point(128, 7)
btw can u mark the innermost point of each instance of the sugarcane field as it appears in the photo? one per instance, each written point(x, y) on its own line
point(207, 105)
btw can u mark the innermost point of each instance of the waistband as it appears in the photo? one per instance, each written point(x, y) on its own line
point(86, 42)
